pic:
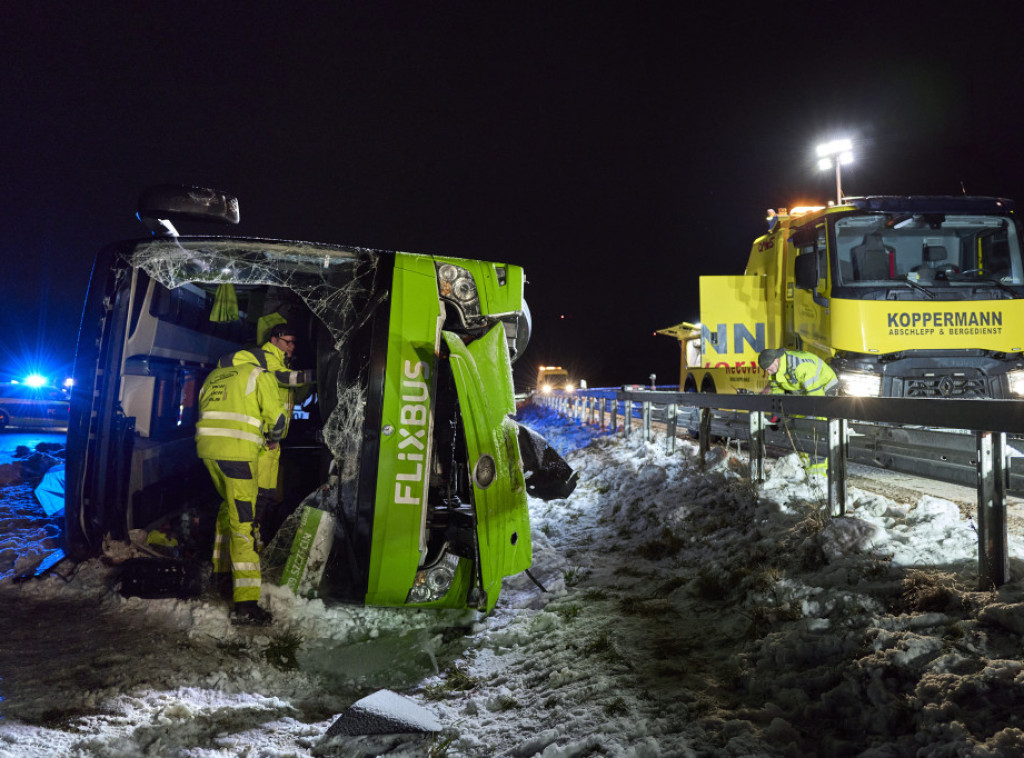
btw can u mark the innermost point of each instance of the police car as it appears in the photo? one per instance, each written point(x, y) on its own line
point(24, 406)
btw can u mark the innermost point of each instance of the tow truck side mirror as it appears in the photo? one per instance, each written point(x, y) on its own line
point(806, 271)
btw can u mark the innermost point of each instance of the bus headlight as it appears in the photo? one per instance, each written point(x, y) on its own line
point(857, 384)
point(457, 285)
point(1016, 380)
point(433, 582)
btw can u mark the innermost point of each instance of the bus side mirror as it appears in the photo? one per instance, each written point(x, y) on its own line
point(806, 271)
point(165, 203)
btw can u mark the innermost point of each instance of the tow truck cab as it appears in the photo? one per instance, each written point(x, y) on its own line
point(407, 434)
point(914, 296)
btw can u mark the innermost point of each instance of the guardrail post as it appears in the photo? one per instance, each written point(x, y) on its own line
point(993, 556)
point(645, 420)
point(600, 415)
point(704, 435)
point(837, 447)
point(757, 452)
point(615, 416)
point(670, 427)
point(627, 416)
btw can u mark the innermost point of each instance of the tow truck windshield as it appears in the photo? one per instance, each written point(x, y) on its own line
point(927, 250)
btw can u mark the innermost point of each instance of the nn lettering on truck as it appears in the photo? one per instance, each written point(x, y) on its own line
point(741, 335)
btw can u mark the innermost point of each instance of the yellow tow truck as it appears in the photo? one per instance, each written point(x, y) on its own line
point(905, 296)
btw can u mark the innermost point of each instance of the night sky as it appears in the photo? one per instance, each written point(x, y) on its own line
point(617, 151)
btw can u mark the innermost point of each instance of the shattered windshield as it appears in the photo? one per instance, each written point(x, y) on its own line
point(335, 283)
point(927, 248)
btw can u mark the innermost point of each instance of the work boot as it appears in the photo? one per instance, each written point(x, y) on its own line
point(249, 613)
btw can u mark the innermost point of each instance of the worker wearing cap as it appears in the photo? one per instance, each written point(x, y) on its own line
point(275, 356)
point(796, 372)
point(240, 414)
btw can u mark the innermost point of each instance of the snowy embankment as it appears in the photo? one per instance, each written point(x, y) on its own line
point(683, 613)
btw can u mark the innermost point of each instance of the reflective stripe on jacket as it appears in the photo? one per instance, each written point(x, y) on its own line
point(802, 373)
point(238, 407)
point(272, 358)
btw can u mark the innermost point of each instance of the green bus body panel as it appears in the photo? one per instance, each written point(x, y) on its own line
point(408, 414)
point(483, 376)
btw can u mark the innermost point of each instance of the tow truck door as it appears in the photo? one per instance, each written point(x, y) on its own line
point(811, 302)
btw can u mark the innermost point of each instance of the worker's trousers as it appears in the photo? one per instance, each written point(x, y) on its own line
point(234, 547)
point(267, 465)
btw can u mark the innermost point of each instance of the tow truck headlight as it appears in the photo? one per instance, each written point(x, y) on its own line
point(1016, 380)
point(858, 384)
point(433, 582)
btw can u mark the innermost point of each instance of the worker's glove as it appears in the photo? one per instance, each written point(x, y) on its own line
point(772, 422)
point(257, 538)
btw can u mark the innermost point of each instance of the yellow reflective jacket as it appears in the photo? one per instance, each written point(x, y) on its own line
point(802, 373)
point(239, 409)
point(272, 358)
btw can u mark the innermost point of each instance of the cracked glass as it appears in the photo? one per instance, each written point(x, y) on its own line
point(334, 283)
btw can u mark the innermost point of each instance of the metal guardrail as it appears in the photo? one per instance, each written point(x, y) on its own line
point(886, 433)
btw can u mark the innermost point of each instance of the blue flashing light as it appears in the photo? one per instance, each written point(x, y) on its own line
point(36, 380)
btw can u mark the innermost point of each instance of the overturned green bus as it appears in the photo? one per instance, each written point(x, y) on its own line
point(407, 440)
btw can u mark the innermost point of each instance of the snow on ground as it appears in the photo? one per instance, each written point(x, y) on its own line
point(683, 613)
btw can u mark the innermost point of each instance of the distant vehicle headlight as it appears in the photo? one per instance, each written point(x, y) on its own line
point(1016, 380)
point(433, 582)
point(858, 384)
